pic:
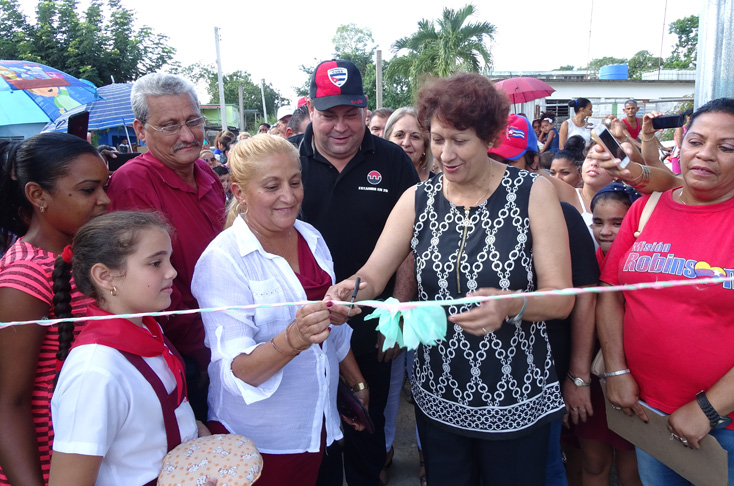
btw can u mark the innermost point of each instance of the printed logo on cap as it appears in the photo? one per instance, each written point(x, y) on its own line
point(374, 177)
point(338, 76)
point(513, 132)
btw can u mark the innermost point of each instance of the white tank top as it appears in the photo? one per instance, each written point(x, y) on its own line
point(588, 217)
point(575, 130)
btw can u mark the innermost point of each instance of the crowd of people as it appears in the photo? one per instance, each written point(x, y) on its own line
point(450, 198)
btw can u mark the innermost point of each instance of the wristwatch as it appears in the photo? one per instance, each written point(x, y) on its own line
point(578, 381)
point(717, 421)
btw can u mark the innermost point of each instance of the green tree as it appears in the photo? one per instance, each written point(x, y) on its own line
point(13, 29)
point(90, 47)
point(596, 64)
point(641, 62)
point(304, 89)
point(455, 46)
point(685, 50)
point(397, 91)
point(251, 95)
point(356, 44)
point(567, 67)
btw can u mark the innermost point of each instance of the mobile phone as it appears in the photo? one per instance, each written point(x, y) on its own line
point(668, 121)
point(118, 162)
point(605, 138)
point(77, 124)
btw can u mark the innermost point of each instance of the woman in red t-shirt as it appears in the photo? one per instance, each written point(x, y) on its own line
point(670, 347)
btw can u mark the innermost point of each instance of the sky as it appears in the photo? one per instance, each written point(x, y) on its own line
point(272, 39)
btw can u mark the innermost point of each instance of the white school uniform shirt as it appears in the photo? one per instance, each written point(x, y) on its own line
point(103, 406)
point(285, 414)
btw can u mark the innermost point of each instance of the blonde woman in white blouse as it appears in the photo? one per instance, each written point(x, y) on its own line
point(274, 371)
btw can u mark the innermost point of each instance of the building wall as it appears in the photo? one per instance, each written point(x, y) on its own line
point(608, 97)
point(640, 90)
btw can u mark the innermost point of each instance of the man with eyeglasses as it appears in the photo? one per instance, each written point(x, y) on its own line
point(171, 178)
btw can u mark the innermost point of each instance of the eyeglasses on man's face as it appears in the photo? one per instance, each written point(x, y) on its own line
point(175, 128)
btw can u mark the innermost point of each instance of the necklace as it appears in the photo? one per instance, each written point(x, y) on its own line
point(268, 246)
point(483, 196)
point(680, 197)
point(466, 229)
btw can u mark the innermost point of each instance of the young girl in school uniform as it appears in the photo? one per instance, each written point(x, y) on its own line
point(120, 403)
point(600, 447)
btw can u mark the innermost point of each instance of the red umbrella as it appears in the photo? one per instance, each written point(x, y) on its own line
point(521, 90)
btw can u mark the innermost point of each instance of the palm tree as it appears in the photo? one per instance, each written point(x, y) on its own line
point(455, 46)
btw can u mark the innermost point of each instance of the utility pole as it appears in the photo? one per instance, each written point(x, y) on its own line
point(265, 108)
point(222, 111)
point(378, 88)
point(242, 110)
point(714, 75)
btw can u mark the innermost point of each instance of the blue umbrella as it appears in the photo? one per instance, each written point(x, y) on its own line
point(30, 91)
point(113, 110)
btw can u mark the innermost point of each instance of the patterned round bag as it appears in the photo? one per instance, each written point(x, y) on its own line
point(233, 460)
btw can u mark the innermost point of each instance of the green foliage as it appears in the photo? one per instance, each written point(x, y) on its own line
point(13, 29)
point(641, 62)
point(685, 50)
point(567, 67)
point(91, 47)
point(354, 44)
point(251, 95)
point(455, 46)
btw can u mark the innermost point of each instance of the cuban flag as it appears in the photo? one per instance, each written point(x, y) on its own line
point(514, 132)
point(338, 76)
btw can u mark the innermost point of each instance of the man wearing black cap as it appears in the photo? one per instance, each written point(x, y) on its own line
point(351, 182)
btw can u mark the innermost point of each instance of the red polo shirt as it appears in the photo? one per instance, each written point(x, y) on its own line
point(197, 216)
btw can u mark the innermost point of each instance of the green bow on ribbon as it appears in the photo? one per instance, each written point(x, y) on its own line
point(420, 325)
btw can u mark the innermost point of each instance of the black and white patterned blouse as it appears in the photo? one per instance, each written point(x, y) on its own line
point(500, 385)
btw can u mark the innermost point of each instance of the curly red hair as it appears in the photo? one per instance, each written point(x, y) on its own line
point(464, 100)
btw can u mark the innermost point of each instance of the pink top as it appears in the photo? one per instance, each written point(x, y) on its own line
point(28, 269)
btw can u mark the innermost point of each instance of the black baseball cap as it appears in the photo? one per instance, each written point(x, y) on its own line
point(337, 83)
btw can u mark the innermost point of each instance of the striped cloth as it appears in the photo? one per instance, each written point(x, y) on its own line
point(27, 268)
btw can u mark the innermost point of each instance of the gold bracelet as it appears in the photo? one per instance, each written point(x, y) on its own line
point(358, 387)
point(288, 339)
point(648, 139)
point(272, 341)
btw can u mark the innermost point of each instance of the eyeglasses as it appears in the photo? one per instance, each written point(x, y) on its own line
point(175, 128)
point(209, 160)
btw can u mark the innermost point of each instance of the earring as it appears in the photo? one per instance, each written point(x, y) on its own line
point(43, 209)
point(113, 292)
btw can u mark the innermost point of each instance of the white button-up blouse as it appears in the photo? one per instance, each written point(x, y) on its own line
point(285, 414)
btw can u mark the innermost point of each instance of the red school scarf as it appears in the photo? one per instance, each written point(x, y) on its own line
point(125, 335)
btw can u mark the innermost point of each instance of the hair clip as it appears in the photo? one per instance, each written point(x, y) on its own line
point(67, 254)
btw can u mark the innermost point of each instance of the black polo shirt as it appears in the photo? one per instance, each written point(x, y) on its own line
point(351, 207)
